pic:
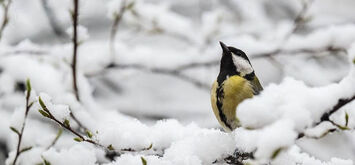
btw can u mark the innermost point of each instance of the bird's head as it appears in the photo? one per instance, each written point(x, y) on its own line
point(234, 62)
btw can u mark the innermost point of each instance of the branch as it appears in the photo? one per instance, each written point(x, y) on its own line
point(237, 158)
point(172, 72)
point(20, 134)
point(117, 19)
point(300, 18)
point(60, 131)
point(5, 20)
point(22, 52)
point(81, 126)
point(75, 15)
point(80, 138)
point(198, 65)
point(326, 117)
point(328, 49)
point(336, 107)
point(53, 20)
point(177, 72)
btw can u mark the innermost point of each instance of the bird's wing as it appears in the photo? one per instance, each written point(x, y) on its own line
point(257, 88)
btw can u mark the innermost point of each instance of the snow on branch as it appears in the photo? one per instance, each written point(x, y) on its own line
point(60, 116)
point(286, 112)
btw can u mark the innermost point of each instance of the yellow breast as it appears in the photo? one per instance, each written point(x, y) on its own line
point(235, 89)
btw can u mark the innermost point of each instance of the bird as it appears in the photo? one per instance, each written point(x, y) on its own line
point(235, 82)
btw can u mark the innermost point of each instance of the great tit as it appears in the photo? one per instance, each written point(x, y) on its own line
point(236, 82)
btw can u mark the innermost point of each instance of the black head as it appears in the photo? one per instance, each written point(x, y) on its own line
point(234, 62)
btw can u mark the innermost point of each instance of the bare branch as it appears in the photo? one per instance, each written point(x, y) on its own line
point(75, 15)
point(82, 128)
point(328, 49)
point(117, 19)
point(21, 52)
point(300, 18)
point(53, 20)
point(172, 72)
point(60, 131)
point(5, 20)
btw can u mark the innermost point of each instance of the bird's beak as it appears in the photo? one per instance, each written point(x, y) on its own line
point(224, 46)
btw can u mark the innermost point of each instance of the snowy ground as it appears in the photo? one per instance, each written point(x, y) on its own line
point(140, 103)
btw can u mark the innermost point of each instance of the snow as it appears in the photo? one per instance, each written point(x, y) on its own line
point(278, 136)
point(252, 115)
point(319, 130)
point(135, 108)
point(78, 155)
point(305, 159)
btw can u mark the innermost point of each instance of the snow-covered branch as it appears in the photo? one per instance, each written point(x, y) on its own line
point(89, 138)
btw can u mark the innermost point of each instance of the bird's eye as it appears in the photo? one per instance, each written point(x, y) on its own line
point(243, 66)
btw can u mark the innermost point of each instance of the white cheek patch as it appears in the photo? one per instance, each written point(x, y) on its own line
point(243, 66)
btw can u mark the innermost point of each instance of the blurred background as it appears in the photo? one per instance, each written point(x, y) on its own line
point(156, 59)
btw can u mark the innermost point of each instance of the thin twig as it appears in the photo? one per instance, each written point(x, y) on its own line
point(75, 15)
point(53, 20)
point(5, 20)
point(60, 131)
point(328, 49)
point(172, 72)
point(197, 65)
point(20, 134)
point(300, 18)
point(24, 52)
point(81, 126)
point(117, 19)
